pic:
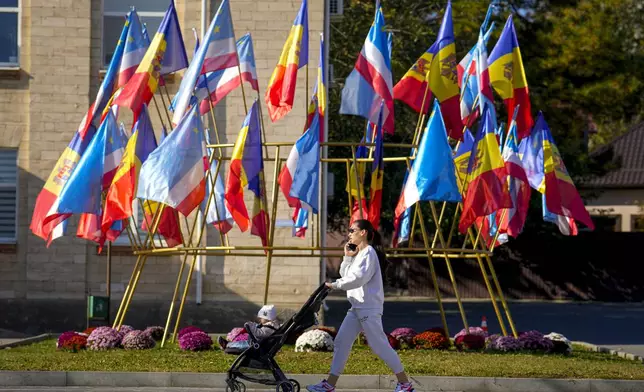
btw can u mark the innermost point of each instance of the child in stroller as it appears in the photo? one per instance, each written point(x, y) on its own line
point(265, 326)
point(257, 363)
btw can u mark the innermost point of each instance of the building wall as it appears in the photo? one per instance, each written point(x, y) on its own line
point(624, 203)
point(41, 109)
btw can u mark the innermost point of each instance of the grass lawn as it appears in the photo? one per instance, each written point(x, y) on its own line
point(581, 364)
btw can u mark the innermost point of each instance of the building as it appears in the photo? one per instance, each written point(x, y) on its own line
point(52, 55)
point(619, 202)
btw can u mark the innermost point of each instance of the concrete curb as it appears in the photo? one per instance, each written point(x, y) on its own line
point(600, 349)
point(29, 340)
point(348, 382)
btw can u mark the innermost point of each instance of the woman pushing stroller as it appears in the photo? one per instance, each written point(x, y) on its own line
point(361, 277)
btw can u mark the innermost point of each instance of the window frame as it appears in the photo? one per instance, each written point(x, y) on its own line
point(634, 219)
point(143, 14)
point(14, 240)
point(18, 11)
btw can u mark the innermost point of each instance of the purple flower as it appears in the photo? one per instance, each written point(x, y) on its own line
point(233, 333)
point(535, 341)
point(137, 340)
point(189, 329)
point(64, 337)
point(504, 343)
point(103, 338)
point(195, 341)
point(404, 335)
point(155, 333)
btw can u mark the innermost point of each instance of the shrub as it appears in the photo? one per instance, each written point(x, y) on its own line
point(405, 336)
point(103, 338)
point(75, 343)
point(155, 333)
point(189, 329)
point(503, 343)
point(65, 336)
point(233, 333)
point(469, 342)
point(535, 341)
point(561, 345)
point(314, 340)
point(431, 340)
point(330, 330)
point(137, 340)
point(195, 341)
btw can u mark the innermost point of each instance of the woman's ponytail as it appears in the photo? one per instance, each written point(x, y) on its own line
point(375, 240)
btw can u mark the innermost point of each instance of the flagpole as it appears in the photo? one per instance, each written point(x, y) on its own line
point(272, 219)
point(358, 178)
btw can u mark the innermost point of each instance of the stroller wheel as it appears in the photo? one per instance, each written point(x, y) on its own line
point(285, 386)
point(235, 386)
point(296, 385)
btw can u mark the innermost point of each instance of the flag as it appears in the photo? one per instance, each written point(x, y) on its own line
point(174, 173)
point(462, 157)
point(301, 222)
point(82, 191)
point(244, 167)
point(164, 134)
point(136, 45)
point(216, 52)
point(370, 82)
point(514, 218)
point(118, 202)
point(531, 154)
point(487, 189)
point(508, 78)
point(217, 214)
point(89, 225)
point(356, 176)
point(566, 225)
point(306, 186)
point(47, 200)
point(222, 82)
point(432, 175)
point(165, 54)
point(467, 80)
point(440, 61)
point(562, 197)
point(377, 175)
point(486, 98)
point(295, 54)
point(321, 88)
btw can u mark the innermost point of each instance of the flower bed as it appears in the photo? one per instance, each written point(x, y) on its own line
point(137, 340)
point(195, 341)
point(431, 340)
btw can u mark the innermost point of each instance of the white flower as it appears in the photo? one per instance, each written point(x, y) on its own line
point(314, 340)
point(557, 337)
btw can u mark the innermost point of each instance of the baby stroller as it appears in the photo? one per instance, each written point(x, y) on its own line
point(257, 363)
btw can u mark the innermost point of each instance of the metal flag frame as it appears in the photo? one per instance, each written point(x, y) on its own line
point(436, 246)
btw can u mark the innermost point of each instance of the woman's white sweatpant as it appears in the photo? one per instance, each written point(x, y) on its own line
point(369, 321)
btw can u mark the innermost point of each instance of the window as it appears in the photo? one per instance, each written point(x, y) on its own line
point(637, 223)
point(8, 195)
point(611, 223)
point(335, 7)
point(9, 32)
point(150, 12)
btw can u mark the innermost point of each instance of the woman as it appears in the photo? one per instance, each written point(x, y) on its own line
point(361, 277)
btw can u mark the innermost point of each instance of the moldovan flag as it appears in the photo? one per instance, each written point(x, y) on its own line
point(243, 168)
point(377, 175)
point(295, 54)
point(508, 78)
point(136, 45)
point(165, 54)
point(440, 61)
point(562, 197)
point(487, 189)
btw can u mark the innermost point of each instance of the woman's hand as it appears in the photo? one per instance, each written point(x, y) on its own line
point(349, 252)
point(329, 285)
